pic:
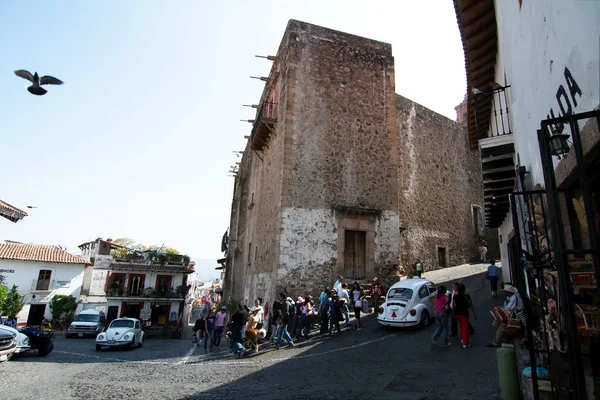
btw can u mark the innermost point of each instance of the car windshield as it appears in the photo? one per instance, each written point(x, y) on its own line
point(123, 323)
point(400, 294)
point(87, 318)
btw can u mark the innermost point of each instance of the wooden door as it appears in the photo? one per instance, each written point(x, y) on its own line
point(355, 254)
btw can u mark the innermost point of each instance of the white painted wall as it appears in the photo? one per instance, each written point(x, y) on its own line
point(68, 277)
point(536, 44)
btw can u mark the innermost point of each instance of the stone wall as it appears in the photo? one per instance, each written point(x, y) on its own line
point(439, 181)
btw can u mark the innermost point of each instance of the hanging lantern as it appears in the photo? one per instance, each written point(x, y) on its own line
point(559, 146)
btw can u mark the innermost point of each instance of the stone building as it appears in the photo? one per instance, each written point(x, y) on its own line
point(341, 175)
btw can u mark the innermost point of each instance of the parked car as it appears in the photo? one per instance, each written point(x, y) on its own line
point(407, 304)
point(22, 339)
point(40, 339)
point(8, 343)
point(87, 323)
point(122, 332)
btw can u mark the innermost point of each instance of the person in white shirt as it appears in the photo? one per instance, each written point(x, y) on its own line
point(343, 295)
point(338, 284)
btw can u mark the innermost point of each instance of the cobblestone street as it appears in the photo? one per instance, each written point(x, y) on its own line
point(373, 362)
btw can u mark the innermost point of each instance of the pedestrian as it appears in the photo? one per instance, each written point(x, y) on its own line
point(441, 316)
point(400, 273)
point(220, 321)
point(286, 310)
point(12, 321)
point(210, 330)
point(343, 294)
point(323, 294)
point(461, 313)
point(338, 284)
point(377, 290)
point(471, 309)
point(493, 274)
point(419, 267)
point(512, 303)
point(357, 295)
point(335, 314)
point(324, 312)
point(260, 316)
point(307, 315)
point(483, 250)
point(298, 325)
point(238, 319)
point(275, 315)
point(199, 328)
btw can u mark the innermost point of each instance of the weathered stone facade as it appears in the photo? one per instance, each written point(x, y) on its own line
point(351, 180)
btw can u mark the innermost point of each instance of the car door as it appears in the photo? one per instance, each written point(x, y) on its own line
point(137, 331)
point(432, 292)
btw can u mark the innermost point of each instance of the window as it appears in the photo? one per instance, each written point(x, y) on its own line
point(137, 324)
point(441, 252)
point(477, 220)
point(400, 294)
point(250, 253)
point(423, 292)
point(43, 281)
point(432, 288)
point(163, 284)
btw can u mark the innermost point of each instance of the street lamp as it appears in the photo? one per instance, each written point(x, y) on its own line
point(559, 145)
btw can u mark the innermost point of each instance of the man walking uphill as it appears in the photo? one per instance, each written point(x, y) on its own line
point(286, 311)
point(493, 274)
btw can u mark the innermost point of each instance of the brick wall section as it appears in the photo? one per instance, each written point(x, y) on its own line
point(440, 178)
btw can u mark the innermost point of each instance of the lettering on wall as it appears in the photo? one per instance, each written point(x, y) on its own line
point(566, 101)
point(7, 271)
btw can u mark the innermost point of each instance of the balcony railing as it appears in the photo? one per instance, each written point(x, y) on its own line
point(176, 293)
point(264, 124)
point(492, 114)
point(43, 285)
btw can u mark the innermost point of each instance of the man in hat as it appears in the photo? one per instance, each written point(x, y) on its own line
point(377, 290)
point(512, 303)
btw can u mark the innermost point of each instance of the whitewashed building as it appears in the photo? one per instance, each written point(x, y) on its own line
point(40, 272)
point(533, 112)
point(138, 285)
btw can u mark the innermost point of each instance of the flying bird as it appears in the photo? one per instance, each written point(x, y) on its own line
point(37, 81)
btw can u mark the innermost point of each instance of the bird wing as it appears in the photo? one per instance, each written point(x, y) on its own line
point(24, 74)
point(50, 80)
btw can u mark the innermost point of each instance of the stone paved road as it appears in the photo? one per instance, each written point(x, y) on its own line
point(373, 362)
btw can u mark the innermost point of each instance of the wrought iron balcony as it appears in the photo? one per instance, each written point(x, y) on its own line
point(264, 125)
point(492, 114)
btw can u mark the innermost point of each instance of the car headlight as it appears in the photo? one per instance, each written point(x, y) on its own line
point(25, 342)
point(127, 336)
point(100, 337)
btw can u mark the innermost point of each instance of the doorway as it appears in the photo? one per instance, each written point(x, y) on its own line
point(36, 314)
point(131, 310)
point(441, 256)
point(354, 254)
point(160, 314)
point(113, 312)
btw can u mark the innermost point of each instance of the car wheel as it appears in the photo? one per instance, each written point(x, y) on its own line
point(98, 347)
point(45, 349)
point(424, 318)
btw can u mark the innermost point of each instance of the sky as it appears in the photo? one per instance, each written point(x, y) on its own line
point(138, 141)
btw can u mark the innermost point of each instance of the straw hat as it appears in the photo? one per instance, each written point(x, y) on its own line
point(510, 289)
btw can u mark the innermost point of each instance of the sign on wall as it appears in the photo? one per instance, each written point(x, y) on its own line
point(62, 284)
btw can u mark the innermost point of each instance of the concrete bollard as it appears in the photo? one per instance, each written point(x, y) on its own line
point(508, 375)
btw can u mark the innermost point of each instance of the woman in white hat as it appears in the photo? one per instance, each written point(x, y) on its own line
point(513, 302)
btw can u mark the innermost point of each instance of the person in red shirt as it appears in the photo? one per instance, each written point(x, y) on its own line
point(377, 291)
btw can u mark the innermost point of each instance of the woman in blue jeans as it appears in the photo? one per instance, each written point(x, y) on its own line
point(441, 316)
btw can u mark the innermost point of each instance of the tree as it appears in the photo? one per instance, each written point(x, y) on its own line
point(12, 304)
point(132, 244)
point(62, 306)
point(3, 293)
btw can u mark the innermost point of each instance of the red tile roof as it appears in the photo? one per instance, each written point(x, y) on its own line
point(37, 252)
point(10, 212)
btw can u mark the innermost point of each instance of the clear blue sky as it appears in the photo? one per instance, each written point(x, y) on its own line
point(138, 141)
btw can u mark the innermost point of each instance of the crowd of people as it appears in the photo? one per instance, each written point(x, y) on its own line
point(292, 320)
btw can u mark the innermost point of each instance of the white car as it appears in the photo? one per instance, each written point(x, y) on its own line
point(407, 304)
point(125, 332)
point(22, 339)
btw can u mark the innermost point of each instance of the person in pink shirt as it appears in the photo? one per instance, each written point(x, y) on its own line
point(441, 316)
point(220, 321)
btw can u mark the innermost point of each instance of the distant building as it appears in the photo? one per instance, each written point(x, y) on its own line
point(341, 175)
point(145, 285)
point(40, 272)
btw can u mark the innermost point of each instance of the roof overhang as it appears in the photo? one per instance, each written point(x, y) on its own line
point(477, 24)
point(11, 213)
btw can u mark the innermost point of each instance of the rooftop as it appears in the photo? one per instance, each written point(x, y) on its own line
point(37, 252)
point(11, 213)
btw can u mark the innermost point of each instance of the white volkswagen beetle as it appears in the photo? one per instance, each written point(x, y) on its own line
point(121, 332)
point(407, 304)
